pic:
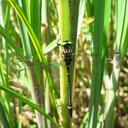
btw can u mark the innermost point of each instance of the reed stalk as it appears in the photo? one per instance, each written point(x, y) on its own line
point(65, 34)
point(45, 35)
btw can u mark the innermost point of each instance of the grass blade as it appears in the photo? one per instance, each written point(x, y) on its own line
point(36, 45)
point(100, 36)
point(11, 43)
point(25, 100)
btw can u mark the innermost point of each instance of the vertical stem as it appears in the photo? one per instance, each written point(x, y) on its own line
point(35, 91)
point(111, 93)
point(45, 42)
point(4, 19)
point(64, 20)
point(63, 94)
point(65, 34)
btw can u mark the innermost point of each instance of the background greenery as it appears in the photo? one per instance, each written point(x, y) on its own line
point(32, 78)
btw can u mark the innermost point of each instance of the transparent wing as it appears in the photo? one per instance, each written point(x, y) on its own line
point(81, 59)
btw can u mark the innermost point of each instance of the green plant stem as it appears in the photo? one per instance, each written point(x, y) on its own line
point(63, 95)
point(109, 109)
point(36, 45)
point(35, 92)
point(64, 20)
point(120, 46)
point(45, 30)
point(35, 85)
point(65, 34)
point(5, 99)
point(98, 61)
point(111, 87)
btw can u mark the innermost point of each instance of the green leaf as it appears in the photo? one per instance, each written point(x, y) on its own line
point(50, 47)
point(24, 35)
point(124, 39)
point(63, 43)
point(35, 17)
point(101, 22)
point(81, 15)
point(25, 100)
point(12, 44)
point(120, 13)
point(33, 37)
point(3, 119)
point(36, 45)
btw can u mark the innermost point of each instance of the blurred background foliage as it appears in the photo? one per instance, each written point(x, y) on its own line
point(17, 50)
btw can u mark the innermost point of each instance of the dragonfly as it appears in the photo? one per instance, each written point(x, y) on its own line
point(67, 55)
point(57, 42)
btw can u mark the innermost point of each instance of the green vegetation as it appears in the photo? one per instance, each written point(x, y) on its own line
point(63, 56)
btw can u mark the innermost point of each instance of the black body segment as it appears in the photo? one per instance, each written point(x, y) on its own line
point(67, 55)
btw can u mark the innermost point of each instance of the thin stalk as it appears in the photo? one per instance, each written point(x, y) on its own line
point(23, 34)
point(47, 104)
point(35, 92)
point(63, 95)
point(98, 61)
point(36, 45)
point(119, 52)
point(5, 99)
point(28, 51)
point(35, 21)
point(111, 87)
point(45, 34)
point(64, 20)
point(65, 34)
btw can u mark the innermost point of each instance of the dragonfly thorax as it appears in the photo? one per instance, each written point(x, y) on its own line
point(67, 54)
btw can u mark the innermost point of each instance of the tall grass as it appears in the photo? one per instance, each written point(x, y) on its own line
point(30, 33)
